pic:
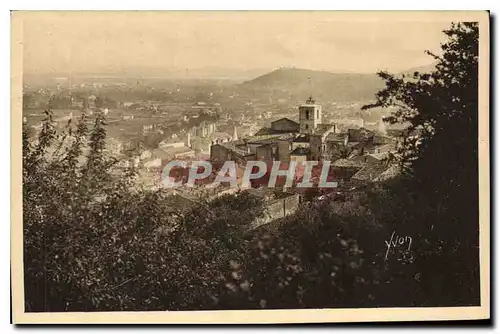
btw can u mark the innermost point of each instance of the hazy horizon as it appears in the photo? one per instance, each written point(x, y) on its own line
point(219, 43)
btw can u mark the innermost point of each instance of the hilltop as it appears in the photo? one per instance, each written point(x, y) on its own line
point(323, 85)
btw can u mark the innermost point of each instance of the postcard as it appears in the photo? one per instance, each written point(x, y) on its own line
point(238, 167)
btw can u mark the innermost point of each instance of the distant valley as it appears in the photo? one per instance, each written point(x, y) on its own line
point(283, 83)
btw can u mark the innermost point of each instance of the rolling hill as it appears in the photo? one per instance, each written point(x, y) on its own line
point(325, 86)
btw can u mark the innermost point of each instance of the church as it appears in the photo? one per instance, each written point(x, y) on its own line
point(285, 140)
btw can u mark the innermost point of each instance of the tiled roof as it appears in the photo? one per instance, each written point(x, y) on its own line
point(230, 146)
point(159, 153)
point(370, 172)
point(270, 131)
point(268, 139)
point(302, 138)
point(360, 132)
point(300, 151)
point(264, 131)
point(386, 147)
point(380, 156)
point(285, 119)
point(348, 163)
point(322, 128)
point(180, 150)
point(336, 137)
point(389, 173)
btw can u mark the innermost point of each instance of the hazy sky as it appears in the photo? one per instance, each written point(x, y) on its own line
point(93, 42)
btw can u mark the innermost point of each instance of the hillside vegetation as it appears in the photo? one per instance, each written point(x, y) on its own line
point(325, 86)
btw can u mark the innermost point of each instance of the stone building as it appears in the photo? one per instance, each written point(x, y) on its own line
point(285, 125)
point(283, 137)
point(309, 116)
point(300, 155)
point(230, 152)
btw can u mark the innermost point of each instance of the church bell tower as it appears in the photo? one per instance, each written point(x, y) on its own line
point(309, 116)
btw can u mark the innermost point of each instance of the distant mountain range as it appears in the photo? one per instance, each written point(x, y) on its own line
point(288, 83)
point(207, 73)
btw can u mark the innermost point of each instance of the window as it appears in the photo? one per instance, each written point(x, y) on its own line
point(317, 113)
point(307, 114)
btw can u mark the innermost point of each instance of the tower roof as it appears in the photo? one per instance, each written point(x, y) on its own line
point(310, 102)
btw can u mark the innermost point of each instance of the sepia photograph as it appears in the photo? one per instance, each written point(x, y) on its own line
point(252, 166)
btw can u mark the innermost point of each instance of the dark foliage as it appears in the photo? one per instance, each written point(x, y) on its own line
point(440, 156)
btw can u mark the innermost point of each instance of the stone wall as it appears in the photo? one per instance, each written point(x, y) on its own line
point(316, 147)
point(220, 153)
point(284, 151)
point(265, 153)
point(276, 209)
